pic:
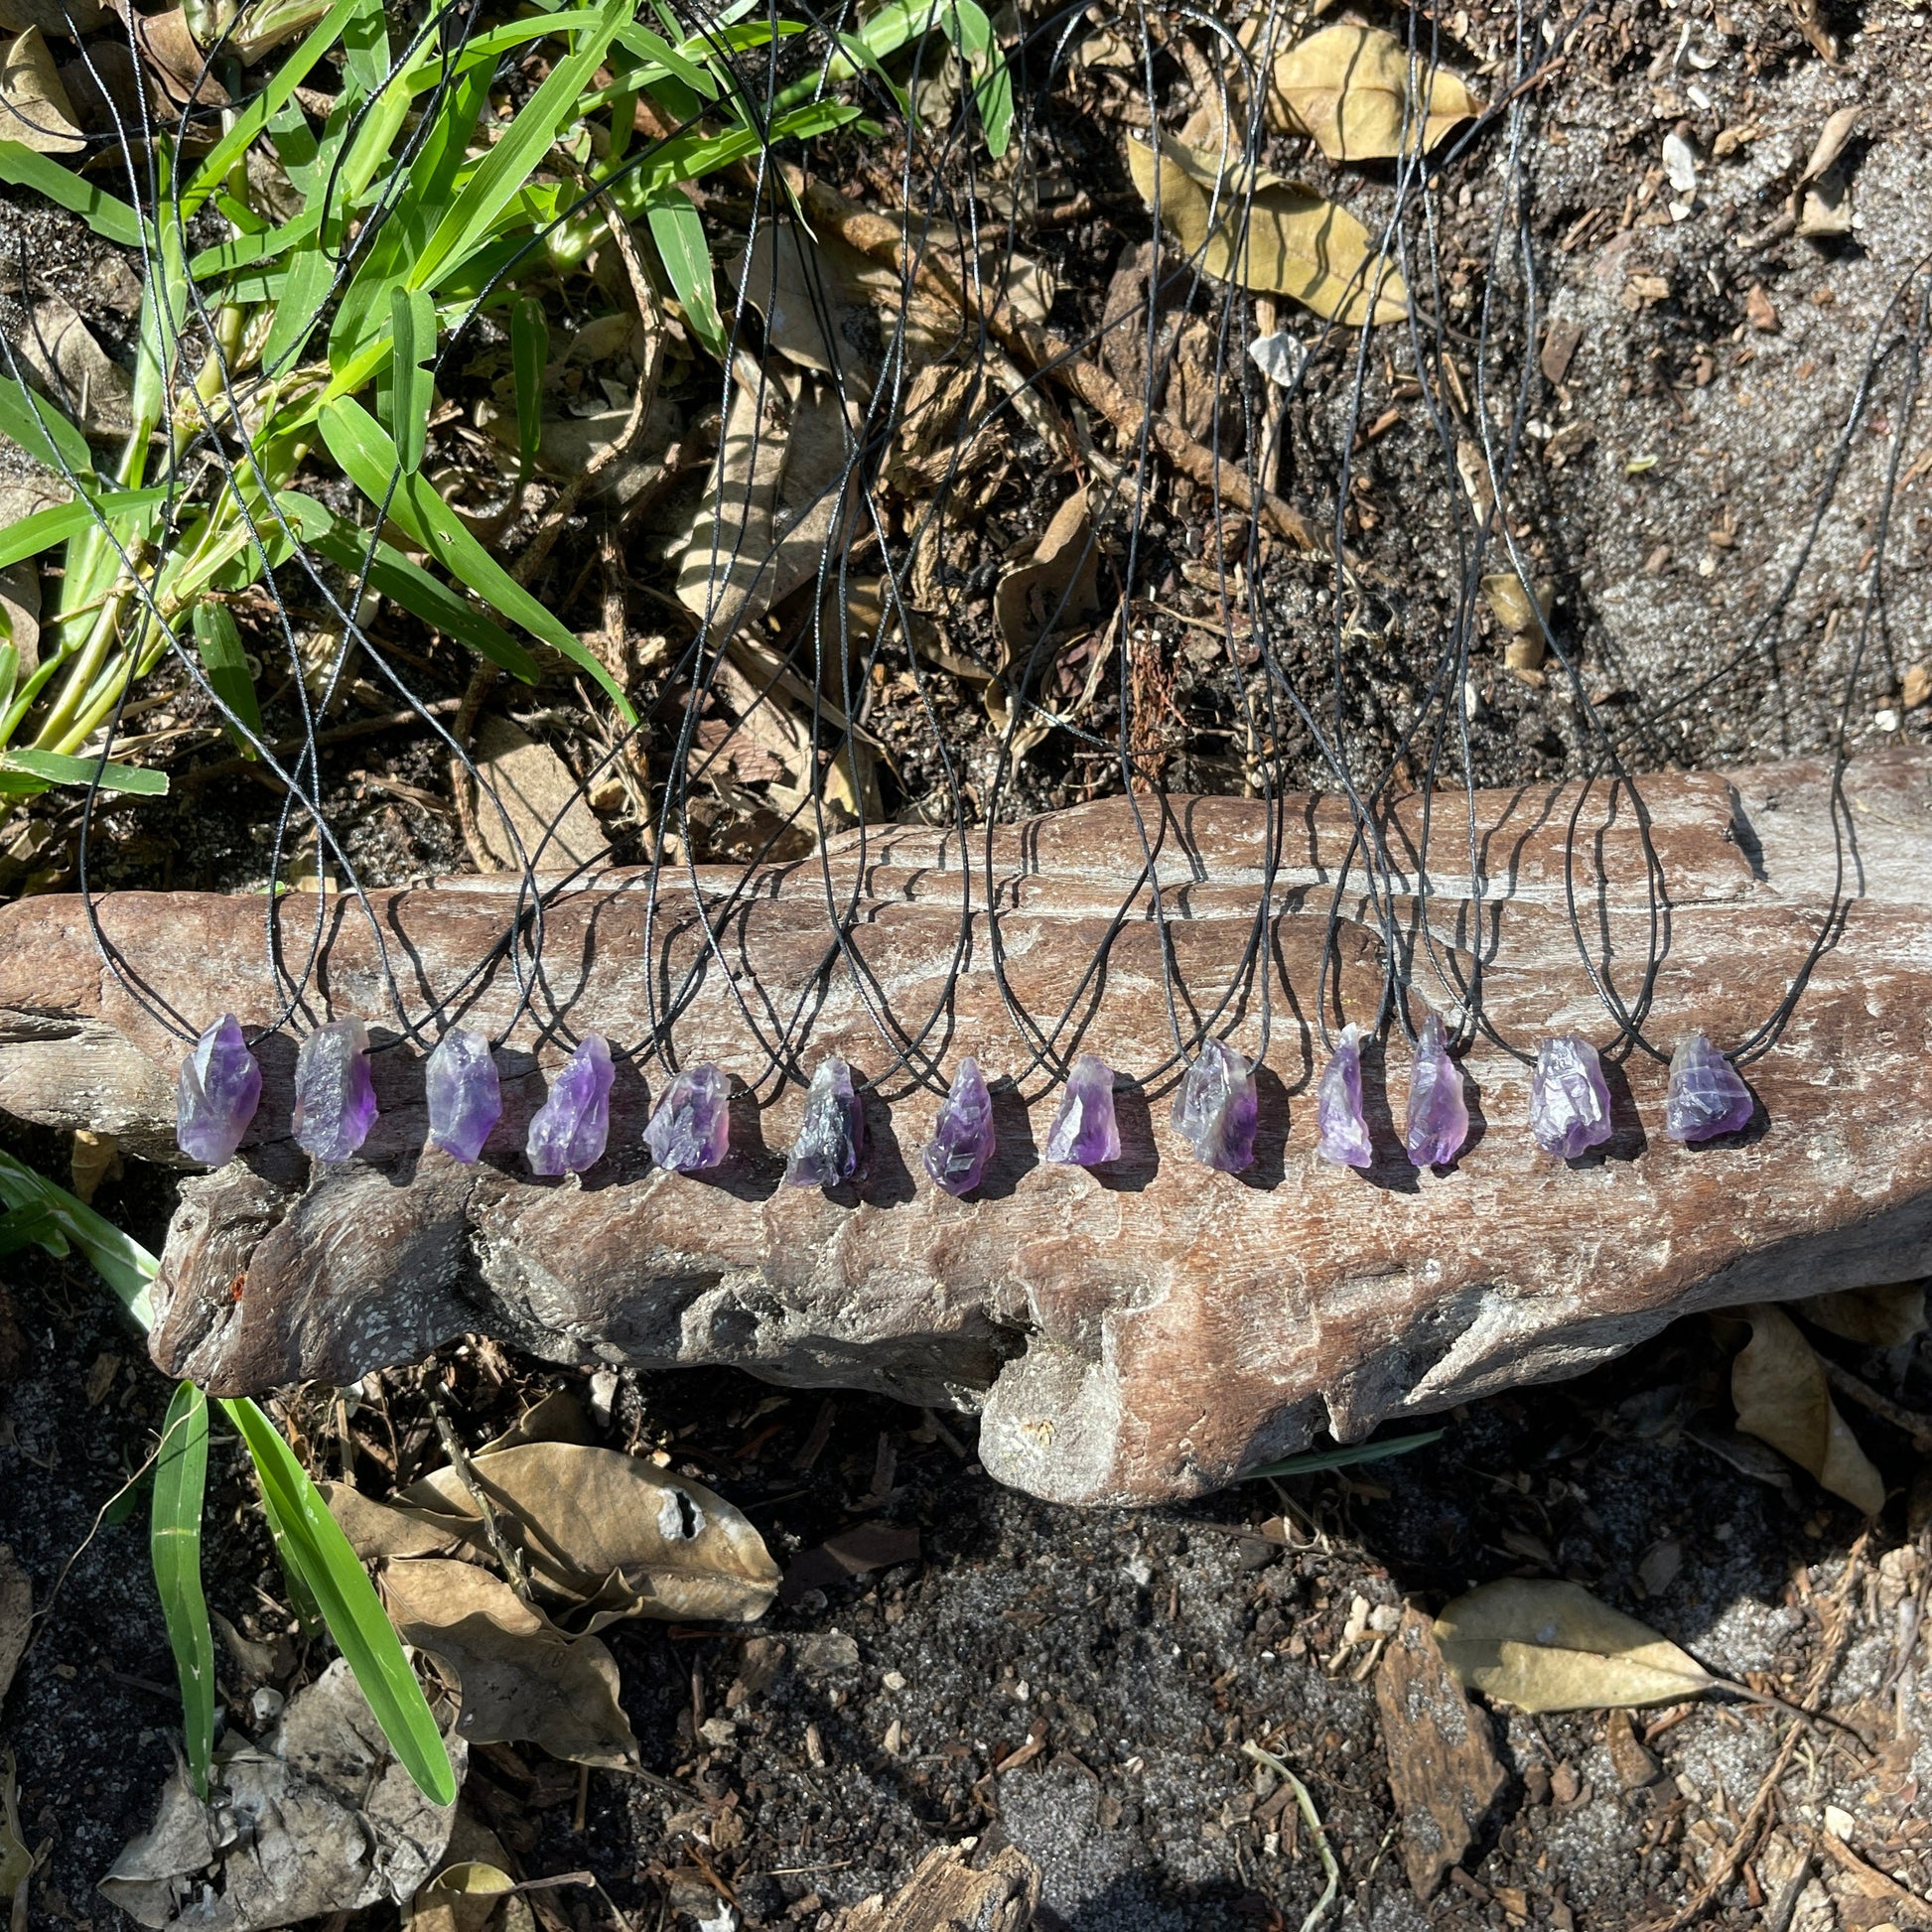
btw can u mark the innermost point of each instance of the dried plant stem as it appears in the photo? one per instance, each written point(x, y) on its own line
point(1330, 1869)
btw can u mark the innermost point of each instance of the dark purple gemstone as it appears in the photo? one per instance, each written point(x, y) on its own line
point(1706, 1097)
point(1439, 1116)
point(1084, 1133)
point(220, 1089)
point(832, 1135)
point(465, 1098)
point(1217, 1109)
point(568, 1131)
point(691, 1129)
point(335, 1098)
point(1570, 1106)
point(962, 1134)
point(1341, 1133)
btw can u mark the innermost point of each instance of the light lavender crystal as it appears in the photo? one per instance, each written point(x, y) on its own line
point(832, 1135)
point(962, 1134)
point(1084, 1133)
point(334, 1097)
point(465, 1098)
point(691, 1129)
point(1341, 1133)
point(1706, 1097)
point(1217, 1109)
point(568, 1131)
point(1570, 1106)
point(1439, 1117)
point(221, 1087)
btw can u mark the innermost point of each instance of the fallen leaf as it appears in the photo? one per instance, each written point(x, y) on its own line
point(16, 1862)
point(549, 824)
point(94, 1156)
point(811, 291)
point(466, 1895)
point(852, 1553)
point(1049, 593)
point(59, 357)
point(16, 1615)
point(168, 45)
point(1358, 92)
point(1822, 200)
point(1543, 1645)
point(1881, 1317)
point(20, 612)
point(376, 1530)
point(1778, 1388)
point(34, 106)
point(1293, 242)
point(50, 16)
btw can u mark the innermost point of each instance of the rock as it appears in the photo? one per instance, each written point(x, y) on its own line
point(1340, 1133)
point(1136, 1332)
point(1437, 1120)
point(962, 1140)
point(1085, 1132)
point(832, 1135)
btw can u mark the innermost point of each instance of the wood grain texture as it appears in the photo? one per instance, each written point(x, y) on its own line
point(1136, 1335)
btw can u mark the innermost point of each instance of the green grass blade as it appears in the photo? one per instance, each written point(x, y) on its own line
point(529, 355)
point(118, 1259)
point(678, 231)
point(366, 47)
point(1345, 1458)
point(175, 1543)
point(219, 644)
point(412, 342)
point(300, 308)
point(348, 1604)
point(41, 430)
point(109, 215)
point(45, 528)
point(58, 768)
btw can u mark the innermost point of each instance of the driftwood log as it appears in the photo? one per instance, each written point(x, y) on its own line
point(1141, 1334)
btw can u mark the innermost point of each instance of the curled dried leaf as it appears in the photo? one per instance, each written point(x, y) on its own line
point(34, 106)
point(1881, 1317)
point(1362, 95)
point(1780, 1389)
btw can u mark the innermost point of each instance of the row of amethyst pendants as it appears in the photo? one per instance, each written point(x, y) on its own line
point(1216, 1110)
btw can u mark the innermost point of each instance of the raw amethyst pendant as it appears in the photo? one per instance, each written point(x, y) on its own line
point(1570, 1106)
point(465, 1098)
point(962, 1134)
point(220, 1089)
point(1439, 1117)
point(832, 1135)
point(335, 1098)
point(1706, 1097)
point(1084, 1133)
point(691, 1129)
point(1217, 1109)
point(1341, 1132)
point(568, 1131)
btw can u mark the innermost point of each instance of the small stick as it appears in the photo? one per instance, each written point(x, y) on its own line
point(1330, 1869)
point(1915, 1421)
point(515, 1569)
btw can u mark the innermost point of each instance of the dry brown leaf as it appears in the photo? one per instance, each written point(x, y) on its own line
point(59, 355)
point(612, 1534)
point(526, 783)
point(1294, 243)
point(169, 48)
point(1822, 200)
point(16, 1862)
point(92, 1157)
point(1881, 1317)
point(812, 292)
point(1551, 1646)
point(377, 1530)
point(1049, 593)
point(16, 1615)
point(50, 16)
point(20, 610)
point(523, 1680)
point(34, 106)
point(466, 1896)
point(1356, 92)
point(1779, 1387)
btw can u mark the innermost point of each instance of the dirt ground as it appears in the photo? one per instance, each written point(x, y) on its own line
point(1082, 1684)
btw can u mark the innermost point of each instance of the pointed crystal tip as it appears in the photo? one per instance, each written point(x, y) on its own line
point(1437, 1120)
point(221, 1087)
point(1341, 1133)
point(568, 1133)
point(1217, 1109)
point(962, 1134)
point(334, 1097)
point(1706, 1096)
point(1570, 1106)
point(465, 1095)
point(1084, 1133)
point(691, 1129)
point(832, 1135)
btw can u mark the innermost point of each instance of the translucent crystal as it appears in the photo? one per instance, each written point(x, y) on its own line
point(1439, 1117)
point(1706, 1097)
point(962, 1134)
point(220, 1089)
point(466, 1099)
point(832, 1135)
point(568, 1131)
point(1341, 1133)
point(691, 1129)
point(1218, 1108)
point(1570, 1106)
point(1084, 1133)
point(335, 1098)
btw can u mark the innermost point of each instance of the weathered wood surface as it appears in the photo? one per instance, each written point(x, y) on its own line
point(1143, 1333)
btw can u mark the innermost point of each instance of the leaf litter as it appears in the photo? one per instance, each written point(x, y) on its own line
point(1783, 1398)
point(1362, 95)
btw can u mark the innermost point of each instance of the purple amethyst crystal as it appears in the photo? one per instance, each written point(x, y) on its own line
point(1084, 1133)
point(568, 1131)
point(1216, 1110)
point(691, 1127)
point(466, 1099)
point(962, 1134)
point(1439, 1117)
point(1706, 1097)
point(1570, 1106)
point(220, 1089)
point(335, 1098)
point(832, 1135)
point(1341, 1132)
